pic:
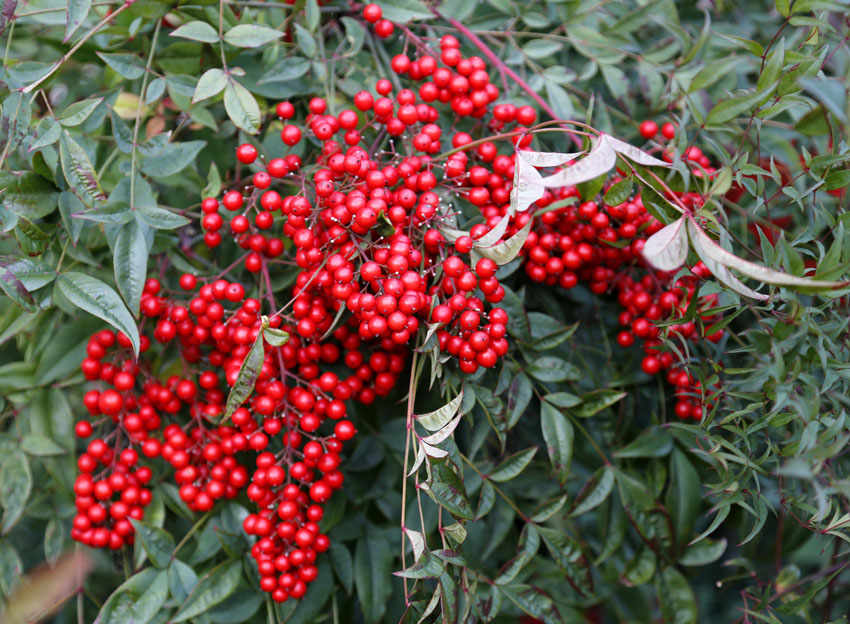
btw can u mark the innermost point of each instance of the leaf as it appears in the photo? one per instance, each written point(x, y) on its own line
point(640, 568)
point(212, 82)
point(594, 402)
point(241, 107)
point(568, 555)
point(121, 132)
point(130, 260)
point(276, 337)
point(75, 14)
point(343, 565)
point(96, 298)
point(533, 602)
point(619, 192)
point(684, 496)
point(527, 547)
point(46, 133)
point(519, 396)
point(722, 512)
point(731, 108)
point(595, 492)
point(705, 552)
point(442, 434)
point(527, 185)
point(40, 445)
point(79, 172)
point(15, 289)
point(128, 66)
point(78, 112)
point(196, 31)
point(251, 35)
point(54, 540)
point(654, 442)
point(549, 509)
point(541, 48)
point(157, 542)
point(635, 154)
point(181, 580)
point(249, 371)
point(287, 69)
point(551, 369)
point(599, 161)
point(11, 568)
point(678, 604)
point(136, 600)
point(512, 465)
point(450, 498)
point(403, 11)
point(15, 487)
point(172, 159)
point(667, 249)
point(160, 218)
point(504, 252)
point(707, 248)
point(372, 567)
point(213, 588)
point(558, 434)
point(433, 421)
point(562, 399)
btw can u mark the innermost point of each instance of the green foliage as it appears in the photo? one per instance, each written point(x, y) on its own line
point(629, 514)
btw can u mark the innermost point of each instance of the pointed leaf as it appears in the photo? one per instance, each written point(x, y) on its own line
point(599, 161)
point(76, 13)
point(437, 419)
point(251, 35)
point(558, 434)
point(212, 82)
point(98, 299)
point(513, 465)
point(504, 252)
point(595, 492)
point(130, 259)
point(249, 371)
point(196, 31)
point(213, 588)
point(15, 487)
point(241, 107)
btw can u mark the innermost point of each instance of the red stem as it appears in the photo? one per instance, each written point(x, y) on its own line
point(491, 56)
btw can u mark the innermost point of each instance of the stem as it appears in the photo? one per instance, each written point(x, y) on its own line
point(502, 67)
point(411, 398)
point(221, 35)
point(139, 114)
point(78, 45)
point(189, 534)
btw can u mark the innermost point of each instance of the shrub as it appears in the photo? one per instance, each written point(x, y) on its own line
point(332, 312)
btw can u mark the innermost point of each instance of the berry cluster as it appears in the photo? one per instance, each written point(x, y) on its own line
point(381, 265)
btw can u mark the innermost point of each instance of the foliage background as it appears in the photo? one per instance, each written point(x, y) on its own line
point(763, 480)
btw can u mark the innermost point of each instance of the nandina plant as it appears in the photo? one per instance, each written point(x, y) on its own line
point(423, 312)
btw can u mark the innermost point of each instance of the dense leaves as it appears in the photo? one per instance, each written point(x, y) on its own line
point(562, 485)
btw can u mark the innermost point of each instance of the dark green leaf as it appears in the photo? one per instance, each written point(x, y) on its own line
point(654, 442)
point(15, 487)
point(684, 496)
point(40, 445)
point(76, 13)
point(372, 568)
point(130, 258)
point(678, 604)
point(594, 402)
point(138, 599)
point(619, 192)
point(552, 369)
point(529, 543)
point(173, 159)
point(513, 465)
point(157, 542)
point(595, 492)
point(558, 434)
point(95, 297)
point(247, 378)
point(213, 588)
point(79, 172)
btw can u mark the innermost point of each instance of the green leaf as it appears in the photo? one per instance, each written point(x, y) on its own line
point(372, 568)
point(527, 547)
point(13, 288)
point(11, 567)
point(157, 542)
point(684, 497)
point(619, 192)
point(552, 369)
point(512, 465)
point(641, 567)
point(595, 492)
point(568, 555)
point(249, 371)
point(519, 396)
point(130, 259)
point(160, 218)
point(450, 498)
point(172, 159)
point(31, 196)
point(558, 434)
point(713, 72)
point(181, 580)
point(403, 11)
point(678, 604)
point(54, 540)
point(15, 487)
point(562, 399)
point(122, 133)
point(533, 602)
point(594, 402)
point(654, 442)
point(288, 68)
point(251, 35)
point(276, 337)
point(78, 112)
point(40, 445)
point(731, 108)
point(722, 512)
point(311, 10)
point(549, 509)
point(96, 298)
point(128, 66)
point(542, 48)
point(343, 565)
point(76, 13)
point(772, 71)
point(212, 82)
point(46, 133)
point(213, 588)
point(196, 31)
point(705, 552)
point(241, 107)
point(136, 600)
point(79, 172)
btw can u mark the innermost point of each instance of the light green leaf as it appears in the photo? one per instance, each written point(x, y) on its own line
point(251, 35)
point(241, 107)
point(196, 31)
point(212, 82)
point(130, 260)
